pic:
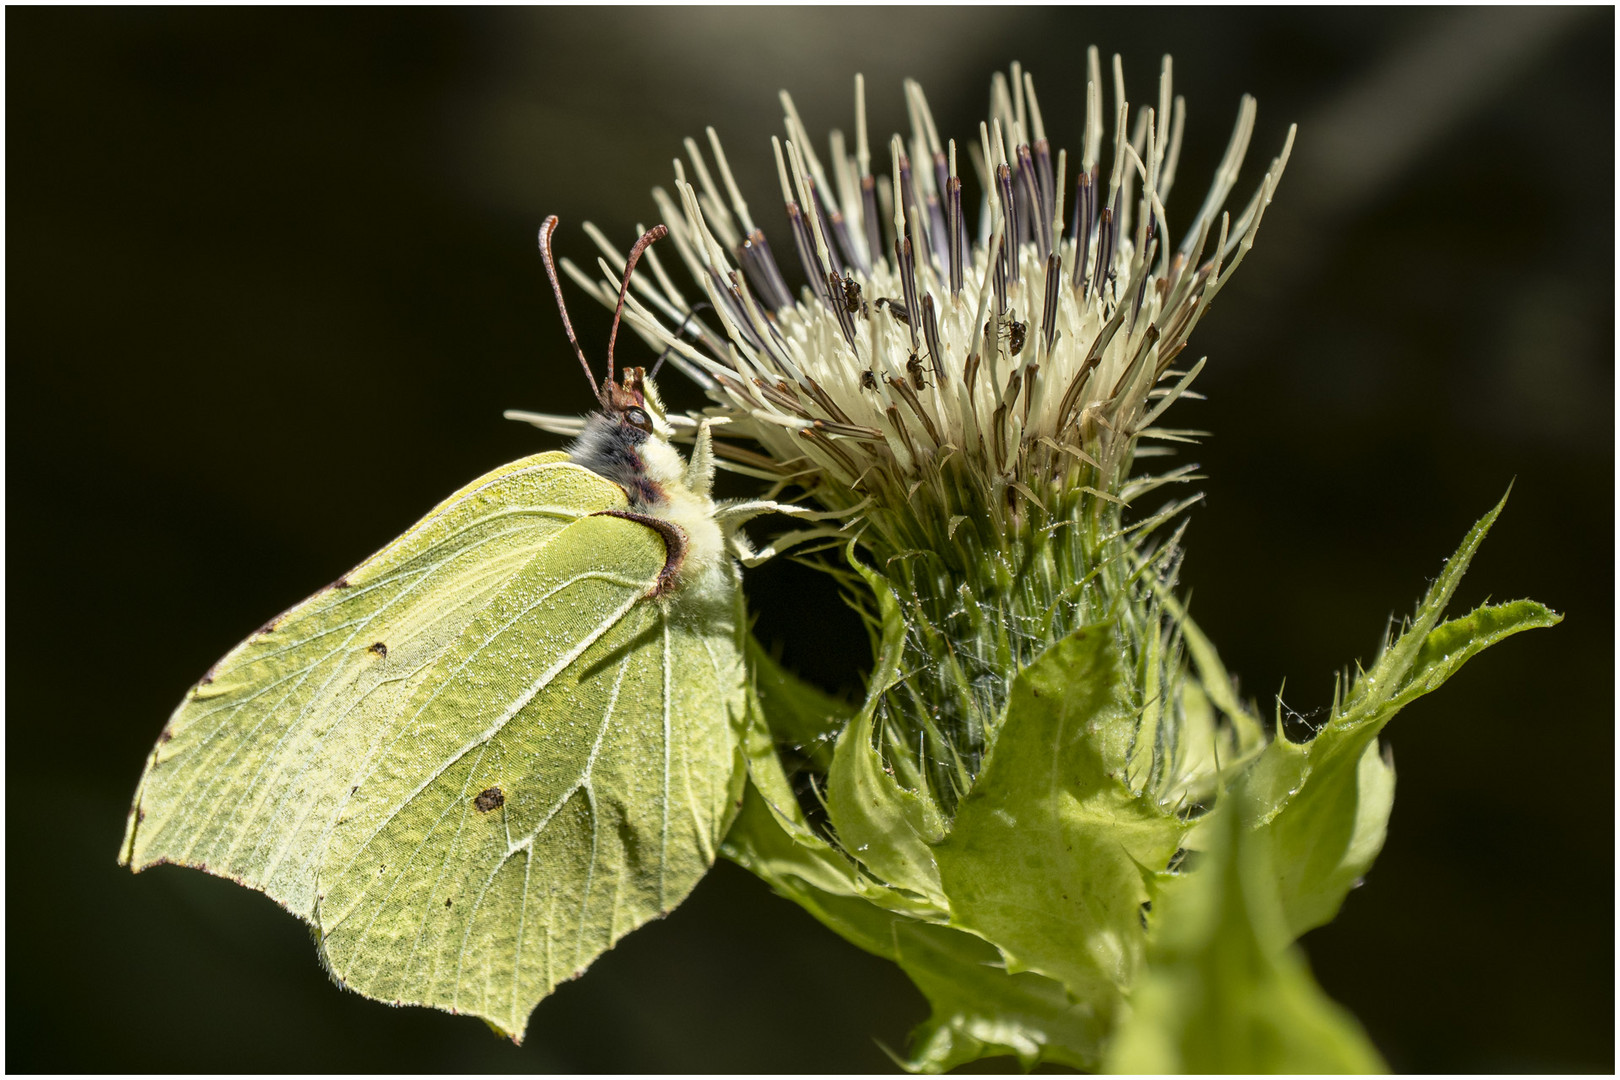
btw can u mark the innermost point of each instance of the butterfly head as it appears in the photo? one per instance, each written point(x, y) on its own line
point(633, 402)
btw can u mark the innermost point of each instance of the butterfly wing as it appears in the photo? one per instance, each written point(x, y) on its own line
point(477, 761)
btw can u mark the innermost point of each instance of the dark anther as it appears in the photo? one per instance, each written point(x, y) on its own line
point(1049, 302)
point(930, 322)
point(869, 217)
point(1007, 257)
point(953, 216)
point(1080, 234)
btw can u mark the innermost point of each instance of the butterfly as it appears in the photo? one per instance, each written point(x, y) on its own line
point(480, 758)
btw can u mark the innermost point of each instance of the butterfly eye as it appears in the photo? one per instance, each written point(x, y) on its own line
point(638, 418)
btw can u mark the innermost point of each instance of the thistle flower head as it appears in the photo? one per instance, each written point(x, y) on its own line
point(963, 380)
point(947, 363)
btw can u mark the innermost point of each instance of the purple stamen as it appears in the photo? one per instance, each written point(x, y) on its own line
point(1010, 232)
point(763, 273)
point(806, 244)
point(1035, 197)
point(908, 280)
point(869, 218)
point(1050, 301)
point(930, 321)
point(953, 194)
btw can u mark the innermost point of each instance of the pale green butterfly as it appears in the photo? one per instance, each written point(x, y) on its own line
point(498, 745)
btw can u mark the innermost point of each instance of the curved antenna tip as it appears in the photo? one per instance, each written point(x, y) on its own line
point(648, 238)
point(547, 227)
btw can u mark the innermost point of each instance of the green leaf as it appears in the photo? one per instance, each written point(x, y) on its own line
point(888, 827)
point(772, 837)
point(1328, 836)
point(1046, 855)
point(1452, 644)
point(1223, 991)
point(800, 715)
point(1326, 802)
point(1203, 748)
point(1216, 684)
point(478, 760)
point(1389, 674)
point(978, 1009)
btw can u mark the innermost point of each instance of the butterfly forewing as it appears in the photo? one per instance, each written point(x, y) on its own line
point(476, 762)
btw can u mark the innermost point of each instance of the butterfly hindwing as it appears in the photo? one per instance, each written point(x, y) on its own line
point(477, 762)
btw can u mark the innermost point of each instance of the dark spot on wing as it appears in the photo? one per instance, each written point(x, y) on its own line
point(380, 649)
point(341, 583)
point(489, 799)
point(270, 627)
point(447, 903)
point(166, 736)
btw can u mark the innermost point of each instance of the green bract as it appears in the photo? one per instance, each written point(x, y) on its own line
point(1070, 910)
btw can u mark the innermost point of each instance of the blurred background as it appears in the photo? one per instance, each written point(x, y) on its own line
point(272, 279)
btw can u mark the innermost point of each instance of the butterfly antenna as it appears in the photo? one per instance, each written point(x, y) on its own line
point(657, 232)
point(690, 315)
point(548, 227)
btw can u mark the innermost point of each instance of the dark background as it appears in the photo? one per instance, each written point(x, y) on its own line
point(271, 279)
